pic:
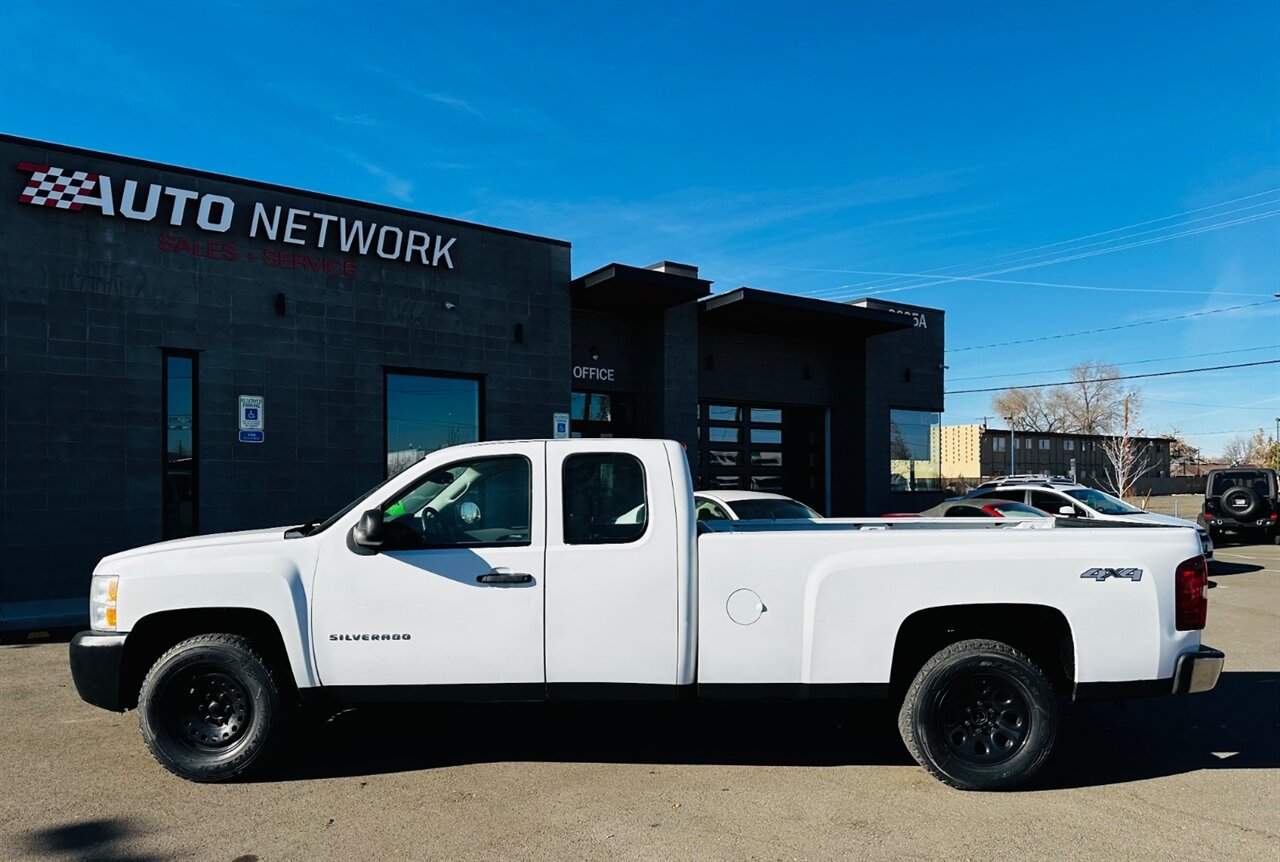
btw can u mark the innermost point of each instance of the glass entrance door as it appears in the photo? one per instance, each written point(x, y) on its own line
point(602, 414)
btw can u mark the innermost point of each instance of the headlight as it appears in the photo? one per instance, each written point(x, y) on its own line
point(102, 602)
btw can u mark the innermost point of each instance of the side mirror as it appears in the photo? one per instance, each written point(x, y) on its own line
point(369, 532)
point(469, 512)
point(1069, 511)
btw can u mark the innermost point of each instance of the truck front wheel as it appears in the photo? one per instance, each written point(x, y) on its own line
point(980, 715)
point(211, 708)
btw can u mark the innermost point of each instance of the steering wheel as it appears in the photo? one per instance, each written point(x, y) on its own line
point(436, 529)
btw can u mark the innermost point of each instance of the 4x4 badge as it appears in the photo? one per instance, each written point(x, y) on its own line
point(1103, 574)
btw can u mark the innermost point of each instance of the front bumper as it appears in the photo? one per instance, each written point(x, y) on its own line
point(96, 659)
point(1195, 672)
point(1198, 671)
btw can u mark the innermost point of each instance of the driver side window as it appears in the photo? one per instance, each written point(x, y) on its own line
point(484, 502)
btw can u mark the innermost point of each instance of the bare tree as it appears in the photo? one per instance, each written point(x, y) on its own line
point(1236, 451)
point(1183, 457)
point(1091, 404)
point(1034, 409)
point(1128, 459)
point(1100, 403)
point(1260, 450)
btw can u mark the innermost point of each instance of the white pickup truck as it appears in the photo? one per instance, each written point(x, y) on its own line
point(561, 569)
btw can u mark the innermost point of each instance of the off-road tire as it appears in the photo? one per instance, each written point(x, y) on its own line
point(944, 716)
point(213, 709)
point(1241, 513)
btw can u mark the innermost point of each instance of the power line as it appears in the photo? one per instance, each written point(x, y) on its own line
point(1218, 406)
point(1122, 377)
point(1132, 362)
point(1114, 328)
point(1206, 433)
point(1030, 252)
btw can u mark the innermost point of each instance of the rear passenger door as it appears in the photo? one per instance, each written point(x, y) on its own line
point(611, 585)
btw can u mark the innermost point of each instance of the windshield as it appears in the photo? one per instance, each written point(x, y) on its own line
point(772, 510)
point(1103, 503)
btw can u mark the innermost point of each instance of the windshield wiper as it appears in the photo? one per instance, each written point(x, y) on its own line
point(304, 530)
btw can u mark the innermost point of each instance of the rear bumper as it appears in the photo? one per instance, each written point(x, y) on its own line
point(1198, 671)
point(96, 659)
point(1218, 524)
point(1195, 672)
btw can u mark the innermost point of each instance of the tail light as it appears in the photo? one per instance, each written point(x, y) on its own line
point(1191, 594)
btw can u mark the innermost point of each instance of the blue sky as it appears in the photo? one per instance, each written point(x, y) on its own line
point(787, 146)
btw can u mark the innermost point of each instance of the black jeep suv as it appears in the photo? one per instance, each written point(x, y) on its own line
point(1242, 500)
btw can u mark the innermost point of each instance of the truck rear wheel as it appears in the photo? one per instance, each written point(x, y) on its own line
point(211, 708)
point(980, 715)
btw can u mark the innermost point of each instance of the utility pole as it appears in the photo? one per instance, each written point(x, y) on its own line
point(1013, 444)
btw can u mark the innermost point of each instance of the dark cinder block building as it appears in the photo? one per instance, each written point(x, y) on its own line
point(184, 352)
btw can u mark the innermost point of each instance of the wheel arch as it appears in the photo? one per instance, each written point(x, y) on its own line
point(1040, 631)
point(155, 633)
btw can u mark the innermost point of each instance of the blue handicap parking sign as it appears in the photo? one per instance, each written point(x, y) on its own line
point(251, 413)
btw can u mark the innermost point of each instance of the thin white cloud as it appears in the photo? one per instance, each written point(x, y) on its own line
point(357, 120)
point(396, 186)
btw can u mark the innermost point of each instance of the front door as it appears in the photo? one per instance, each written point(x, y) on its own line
point(456, 597)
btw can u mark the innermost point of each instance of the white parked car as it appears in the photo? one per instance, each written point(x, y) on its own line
point(749, 506)
point(507, 571)
point(1065, 498)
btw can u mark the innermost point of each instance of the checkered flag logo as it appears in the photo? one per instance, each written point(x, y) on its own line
point(54, 187)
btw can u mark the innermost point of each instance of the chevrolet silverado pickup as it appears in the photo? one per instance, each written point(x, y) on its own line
point(576, 569)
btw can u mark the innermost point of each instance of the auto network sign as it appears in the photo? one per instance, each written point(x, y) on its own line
point(59, 188)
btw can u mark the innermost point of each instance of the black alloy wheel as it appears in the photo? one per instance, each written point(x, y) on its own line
point(980, 715)
point(984, 719)
point(212, 708)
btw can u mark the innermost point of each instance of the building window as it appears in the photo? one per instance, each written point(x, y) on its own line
point(604, 501)
point(999, 444)
point(1069, 445)
point(1044, 444)
point(914, 450)
point(181, 437)
point(426, 412)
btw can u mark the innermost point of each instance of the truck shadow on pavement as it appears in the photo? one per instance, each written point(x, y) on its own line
point(1220, 568)
point(101, 840)
point(373, 740)
point(1235, 726)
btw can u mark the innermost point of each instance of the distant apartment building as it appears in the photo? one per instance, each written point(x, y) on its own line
point(971, 452)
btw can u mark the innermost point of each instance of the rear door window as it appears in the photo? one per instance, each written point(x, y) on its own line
point(604, 499)
point(1050, 503)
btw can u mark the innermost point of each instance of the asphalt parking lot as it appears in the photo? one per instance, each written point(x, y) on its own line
point(1175, 778)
